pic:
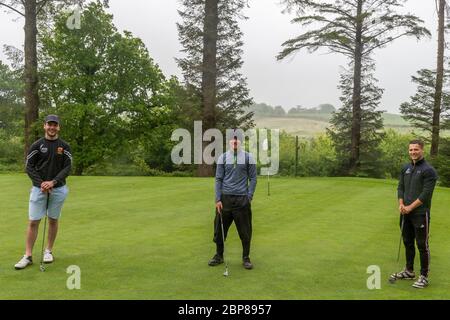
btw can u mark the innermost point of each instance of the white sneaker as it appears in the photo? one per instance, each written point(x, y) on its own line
point(23, 263)
point(48, 256)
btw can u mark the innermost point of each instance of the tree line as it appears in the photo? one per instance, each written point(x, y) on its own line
point(266, 110)
point(118, 104)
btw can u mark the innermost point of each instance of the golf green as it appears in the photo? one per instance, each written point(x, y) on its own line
point(151, 238)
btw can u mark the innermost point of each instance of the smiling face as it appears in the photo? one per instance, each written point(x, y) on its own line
point(51, 130)
point(415, 152)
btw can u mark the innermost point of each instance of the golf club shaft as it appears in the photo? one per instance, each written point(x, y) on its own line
point(401, 236)
point(223, 239)
point(45, 227)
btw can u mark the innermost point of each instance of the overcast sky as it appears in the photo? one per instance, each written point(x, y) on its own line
point(306, 79)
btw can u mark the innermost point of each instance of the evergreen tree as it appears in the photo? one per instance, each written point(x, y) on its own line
point(232, 97)
point(354, 28)
point(371, 123)
point(420, 109)
point(437, 104)
point(212, 42)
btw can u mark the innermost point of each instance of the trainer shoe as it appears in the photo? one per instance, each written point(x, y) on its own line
point(48, 256)
point(216, 260)
point(23, 263)
point(247, 263)
point(403, 275)
point(421, 283)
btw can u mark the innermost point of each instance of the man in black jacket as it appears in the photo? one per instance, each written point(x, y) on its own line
point(48, 164)
point(415, 190)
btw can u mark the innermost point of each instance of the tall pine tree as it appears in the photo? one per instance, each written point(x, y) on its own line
point(437, 105)
point(420, 108)
point(212, 46)
point(371, 123)
point(354, 28)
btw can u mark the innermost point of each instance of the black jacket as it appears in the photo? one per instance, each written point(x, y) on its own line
point(49, 160)
point(417, 182)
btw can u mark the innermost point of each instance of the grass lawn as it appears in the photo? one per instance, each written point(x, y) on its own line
point(151, 238)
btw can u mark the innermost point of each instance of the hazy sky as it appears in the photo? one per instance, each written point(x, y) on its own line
point(305, 79)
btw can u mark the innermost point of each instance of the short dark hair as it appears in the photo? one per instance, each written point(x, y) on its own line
point(417, 141)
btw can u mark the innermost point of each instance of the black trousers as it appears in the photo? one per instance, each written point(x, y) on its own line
point(237, 209)
point(416, 228)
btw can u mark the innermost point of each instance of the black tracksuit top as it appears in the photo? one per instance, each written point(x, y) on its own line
point(417, 182)
point(49, 160)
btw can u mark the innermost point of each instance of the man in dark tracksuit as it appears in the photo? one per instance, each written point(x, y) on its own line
point(415, 190)
point(235, 186)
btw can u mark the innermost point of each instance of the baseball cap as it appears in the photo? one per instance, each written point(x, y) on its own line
point(52, 118)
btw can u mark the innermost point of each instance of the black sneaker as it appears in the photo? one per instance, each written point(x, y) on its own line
point(421, 283)
point(402, 275)
point(247, 263)
point(216, 260)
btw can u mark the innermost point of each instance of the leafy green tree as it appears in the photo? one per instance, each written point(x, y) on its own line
point(11, 101)
point(103, 84)
point(355, 29)
point(261, 109)
point(326, 108)
point(394, 152)
point(317, 157)
point(442, 162)
point(296, 111)
point(32, 11)
point(11, 117)
point(278, 111)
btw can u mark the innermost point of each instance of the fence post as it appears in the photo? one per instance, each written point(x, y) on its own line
point(296, 154)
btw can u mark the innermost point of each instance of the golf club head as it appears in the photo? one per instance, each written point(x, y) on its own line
point(225, 274)
point(42, 268)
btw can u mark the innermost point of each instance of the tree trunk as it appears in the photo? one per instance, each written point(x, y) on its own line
point(439, 81)
point(356, 108)
point(209, 76)
point(31, 76)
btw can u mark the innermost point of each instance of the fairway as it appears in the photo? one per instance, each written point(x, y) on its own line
point(151, 238)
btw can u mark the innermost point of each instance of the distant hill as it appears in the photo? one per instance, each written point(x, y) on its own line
point(310, 124)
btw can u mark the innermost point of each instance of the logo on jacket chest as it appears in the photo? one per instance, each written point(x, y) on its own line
point(43, 148)
point(60, 150)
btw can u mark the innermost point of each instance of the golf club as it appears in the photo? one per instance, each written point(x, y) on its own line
point(401, 236)
point(41, 266)
point(223, 239)
point(391, 279)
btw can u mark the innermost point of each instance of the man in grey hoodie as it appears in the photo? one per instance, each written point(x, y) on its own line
point(234, 188)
